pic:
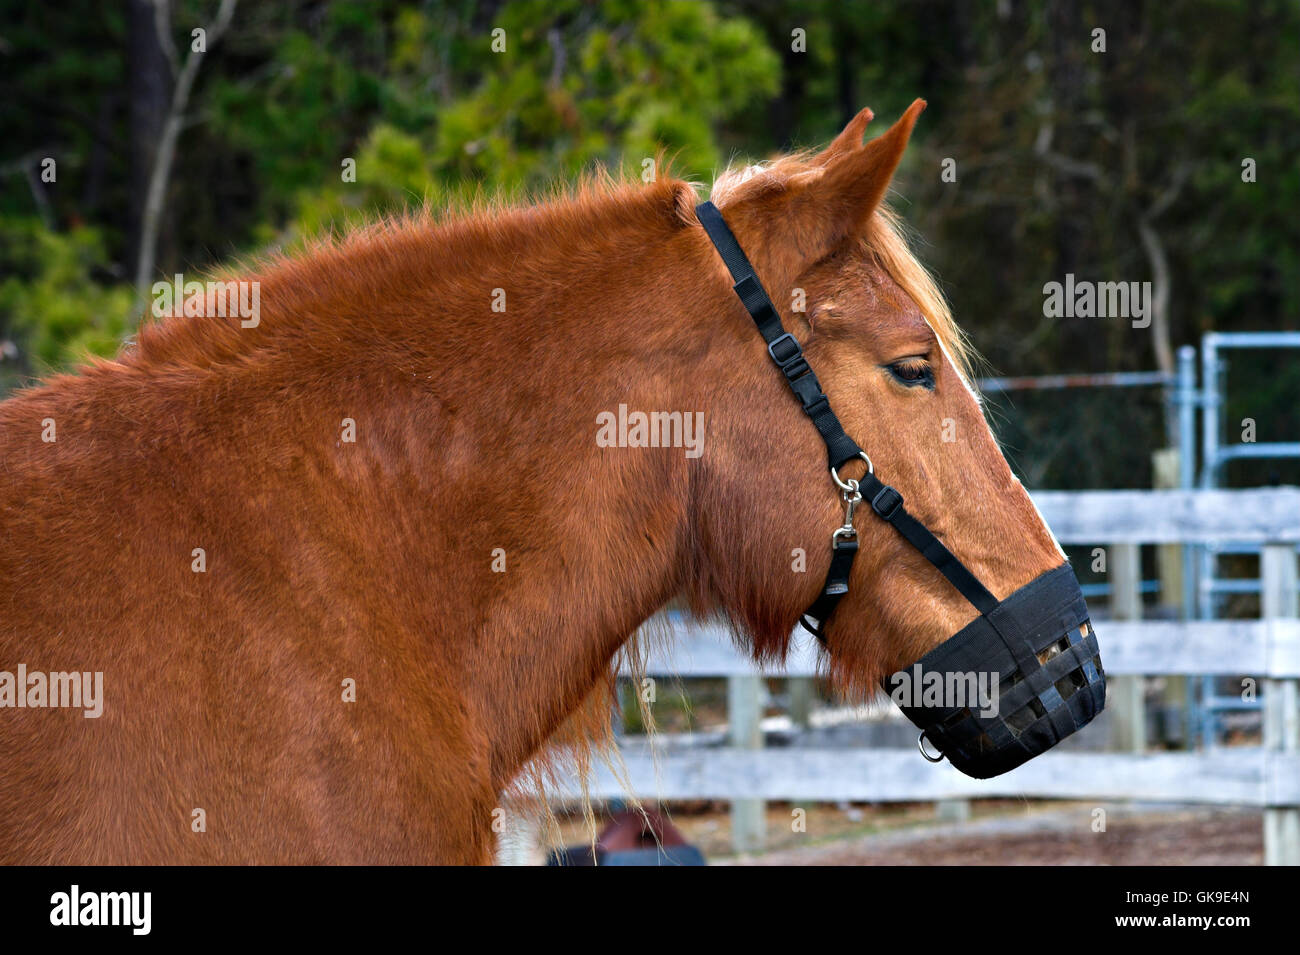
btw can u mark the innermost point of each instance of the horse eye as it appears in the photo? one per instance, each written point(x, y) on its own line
point(913, 371)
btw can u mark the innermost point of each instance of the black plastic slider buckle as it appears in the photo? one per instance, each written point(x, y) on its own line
point(814, 402)
point(788, 355)
point(886, 502)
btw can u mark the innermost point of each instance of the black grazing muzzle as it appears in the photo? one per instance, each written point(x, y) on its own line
point(1013, 683)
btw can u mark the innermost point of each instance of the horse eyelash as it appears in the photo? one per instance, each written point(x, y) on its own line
point(926, 379)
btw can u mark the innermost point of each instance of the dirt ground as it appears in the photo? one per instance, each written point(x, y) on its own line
point(1186, 837)
point(998, 833)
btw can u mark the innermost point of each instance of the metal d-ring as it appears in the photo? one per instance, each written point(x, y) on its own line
point(920, 744)
point(851, 486)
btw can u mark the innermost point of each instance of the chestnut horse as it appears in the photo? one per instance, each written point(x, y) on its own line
point(345, 572)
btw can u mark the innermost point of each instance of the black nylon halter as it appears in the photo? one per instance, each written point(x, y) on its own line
point(884, 500)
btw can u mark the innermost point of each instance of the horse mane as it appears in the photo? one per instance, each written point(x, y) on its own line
point(333, 277)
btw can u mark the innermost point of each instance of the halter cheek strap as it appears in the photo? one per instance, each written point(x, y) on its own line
point(884, 500)
point(782, 347)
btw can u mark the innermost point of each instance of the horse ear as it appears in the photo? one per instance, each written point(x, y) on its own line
point(847, 141)
point(837, 200)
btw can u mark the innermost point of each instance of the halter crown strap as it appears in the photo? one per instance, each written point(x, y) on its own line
point(885, 501)
point(784, 350)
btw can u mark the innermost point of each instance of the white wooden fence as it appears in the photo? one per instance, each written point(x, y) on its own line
point(1268, 649)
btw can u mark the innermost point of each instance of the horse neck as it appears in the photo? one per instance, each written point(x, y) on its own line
point(524, 552)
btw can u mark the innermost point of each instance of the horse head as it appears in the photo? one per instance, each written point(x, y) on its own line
point(948, 562)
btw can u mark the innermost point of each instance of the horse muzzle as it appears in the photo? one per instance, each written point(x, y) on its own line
point(1010, 685)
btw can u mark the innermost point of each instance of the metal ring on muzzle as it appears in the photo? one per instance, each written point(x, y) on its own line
point(920, 744)
point(1011, 684)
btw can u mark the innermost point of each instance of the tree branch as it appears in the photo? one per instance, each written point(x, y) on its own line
point(1155, 251)
point(166, 152)
point(162, 25)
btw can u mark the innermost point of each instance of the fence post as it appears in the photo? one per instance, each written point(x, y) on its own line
point(801, 690)
point(519, 843)
point(1166, 465)
point(1278, 599)
point(1124, 695)
point(744, 713)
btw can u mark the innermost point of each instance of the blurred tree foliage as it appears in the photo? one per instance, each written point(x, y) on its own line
point(1122, 165)
point(53, 299)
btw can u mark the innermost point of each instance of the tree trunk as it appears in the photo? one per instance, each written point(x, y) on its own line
point(149, 87)
point(154, 202)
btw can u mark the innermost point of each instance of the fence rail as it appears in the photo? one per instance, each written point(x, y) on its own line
point(1260, 515)
point(1236, 777)
point(1260, 648)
